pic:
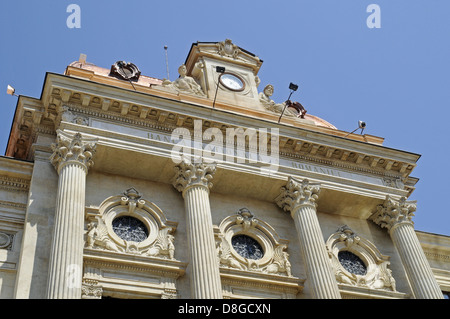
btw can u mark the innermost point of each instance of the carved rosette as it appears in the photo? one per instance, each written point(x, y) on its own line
point(394, 212)
point(72, 148)
point(193, 174)
point(298, 193)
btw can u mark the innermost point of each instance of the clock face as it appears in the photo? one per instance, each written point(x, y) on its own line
point(232, 82)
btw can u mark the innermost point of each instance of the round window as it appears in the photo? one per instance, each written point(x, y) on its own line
point(247, 247)
point(352, 263)
point(130, 229)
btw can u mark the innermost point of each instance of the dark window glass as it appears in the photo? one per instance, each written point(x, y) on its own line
point(352, 263)
point(130, 229)
point(247, 247)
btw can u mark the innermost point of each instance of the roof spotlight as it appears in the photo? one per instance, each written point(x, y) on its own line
point(293, 87)
point(361, 126)
point(219, 69)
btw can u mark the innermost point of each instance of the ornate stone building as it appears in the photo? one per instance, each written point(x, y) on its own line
point(115, 184)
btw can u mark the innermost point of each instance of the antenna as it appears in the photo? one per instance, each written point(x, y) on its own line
point(167, 62)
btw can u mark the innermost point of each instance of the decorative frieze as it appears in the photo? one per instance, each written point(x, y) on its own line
point(14, 184)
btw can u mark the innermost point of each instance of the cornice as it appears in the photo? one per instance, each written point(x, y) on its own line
point(244, 278)
point(159, 113)
point(137, 264)
point(14, 184)
point(166, 122)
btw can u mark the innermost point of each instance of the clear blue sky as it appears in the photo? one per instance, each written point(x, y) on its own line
point(395, 78)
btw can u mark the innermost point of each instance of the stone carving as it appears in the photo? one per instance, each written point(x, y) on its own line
point(394, 212)
point(68, 116)
point(377, 276)
point(98, 236)
point(6, 240)
point(228, 49)
point(191, 174)
point(268, 103)
point(297, 193)
point(184, 84)
point(163, 245)
point(280, 262)
point(275, 259)
point(393, 182)
point(101, 235)
point(132, 199)
point(73, 149)
point(91, 289)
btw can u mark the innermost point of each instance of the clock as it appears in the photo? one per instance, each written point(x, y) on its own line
point(232, 82)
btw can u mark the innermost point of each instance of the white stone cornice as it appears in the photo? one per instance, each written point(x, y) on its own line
point(394, 212)
point(71, 148)
point(193, 174)
point(298, 193)
point(355, 154)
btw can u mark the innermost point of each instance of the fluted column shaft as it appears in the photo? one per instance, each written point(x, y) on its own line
point(396, 217)
point(71, 158)
point(193, 180)
point(299, 199)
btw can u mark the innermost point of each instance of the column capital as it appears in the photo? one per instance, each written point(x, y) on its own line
point(394, 212)
point(193, 174)
point(73, 148)
point(298, 193)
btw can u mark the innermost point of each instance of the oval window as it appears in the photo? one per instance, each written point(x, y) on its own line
point(247, 247)
point(130, 229)
point(352, 263)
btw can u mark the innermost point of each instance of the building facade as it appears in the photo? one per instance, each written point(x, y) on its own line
point(115, 184)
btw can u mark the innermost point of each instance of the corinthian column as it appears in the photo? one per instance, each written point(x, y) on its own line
point(299, 198)
point(71, 158)
point(396, 216)
point(194, 181)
